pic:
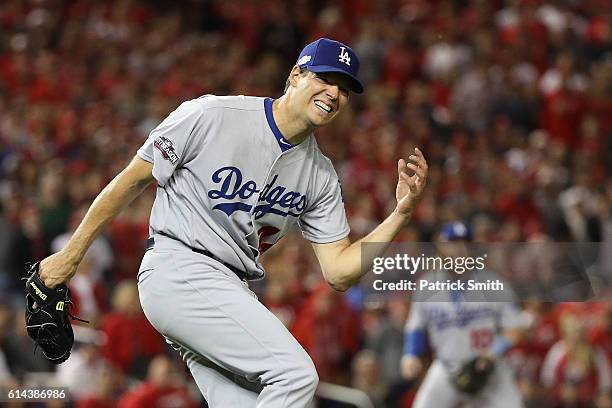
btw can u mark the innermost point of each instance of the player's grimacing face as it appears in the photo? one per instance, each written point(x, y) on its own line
point(324, 96)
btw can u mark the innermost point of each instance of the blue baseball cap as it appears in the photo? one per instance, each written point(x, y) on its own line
point(325, 55)
point(455, 230)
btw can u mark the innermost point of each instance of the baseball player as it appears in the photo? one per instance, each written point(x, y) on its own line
point(463, 335)
point(234, 175)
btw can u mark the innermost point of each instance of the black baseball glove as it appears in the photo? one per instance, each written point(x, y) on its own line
point(473, 375)
point(47, 317)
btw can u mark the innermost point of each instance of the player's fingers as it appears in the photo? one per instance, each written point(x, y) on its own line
point(419, 171)
point(419, 153)
point(419, 158)
point(401, 166)
point(50, 281)
point(414, 160)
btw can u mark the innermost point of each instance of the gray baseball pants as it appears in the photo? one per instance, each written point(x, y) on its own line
point(238, 352)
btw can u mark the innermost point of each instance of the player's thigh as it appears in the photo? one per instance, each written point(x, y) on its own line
point(501, 391)
point(213, 314)
point(436, 390)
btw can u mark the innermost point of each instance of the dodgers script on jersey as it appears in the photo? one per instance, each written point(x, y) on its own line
point(229, 183)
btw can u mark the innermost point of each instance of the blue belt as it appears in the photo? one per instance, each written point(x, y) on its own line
point(241, 274)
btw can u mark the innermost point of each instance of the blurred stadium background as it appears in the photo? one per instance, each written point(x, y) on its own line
point(511, 101)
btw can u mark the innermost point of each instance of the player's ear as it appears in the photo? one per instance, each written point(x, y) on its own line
point(294, 75)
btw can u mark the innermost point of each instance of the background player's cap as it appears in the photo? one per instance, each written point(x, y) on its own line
point(325, 55)
point(454, 231)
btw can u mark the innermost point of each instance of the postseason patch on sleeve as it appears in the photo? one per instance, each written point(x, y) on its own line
point(164, 145)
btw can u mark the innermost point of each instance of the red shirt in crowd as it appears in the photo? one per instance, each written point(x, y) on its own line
point(329, 331)
point(155, 396)
point(94, 402)
point(562, 115)
point(129, 337)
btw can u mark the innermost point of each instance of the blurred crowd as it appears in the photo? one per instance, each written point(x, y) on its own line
point(510, 100)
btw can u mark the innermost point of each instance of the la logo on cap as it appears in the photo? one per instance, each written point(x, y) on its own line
point(304, 59)
point(344, 56)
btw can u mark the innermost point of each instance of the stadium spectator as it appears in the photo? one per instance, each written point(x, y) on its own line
point(574, 371)
point(367, 377)
point(84, 362)
point(328, 330)
point(107, 386)
point(163, 386)
point(130, 339)
point(600, 334)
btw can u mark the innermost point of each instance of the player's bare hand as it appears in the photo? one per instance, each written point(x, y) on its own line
point(410, 187)
point(57, 268)
point(410, 367)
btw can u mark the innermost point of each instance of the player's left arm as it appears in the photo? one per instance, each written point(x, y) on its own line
point(513, 329)
point(505, 340)
point(341, 260)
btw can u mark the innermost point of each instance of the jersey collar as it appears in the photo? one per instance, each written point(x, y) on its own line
point(282, 142)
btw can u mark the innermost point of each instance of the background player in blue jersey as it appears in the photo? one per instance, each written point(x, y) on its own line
point(458, 332)
point(234, 175)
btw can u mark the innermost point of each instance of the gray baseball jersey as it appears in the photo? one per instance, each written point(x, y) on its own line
point(228, 181)
point(459, 330)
